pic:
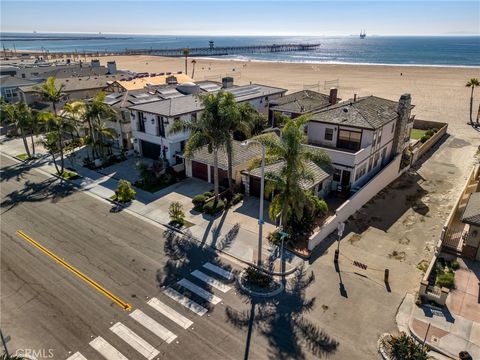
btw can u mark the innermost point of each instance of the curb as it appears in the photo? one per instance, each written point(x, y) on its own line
point(381, 349)
point(131, 212)
point(432, 347)
point(255, 293)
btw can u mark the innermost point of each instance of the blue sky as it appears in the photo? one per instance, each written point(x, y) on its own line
point(229, 17)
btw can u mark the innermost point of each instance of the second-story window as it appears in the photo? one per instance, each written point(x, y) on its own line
point(141, 121)
point(349, 140)
point(328, 134)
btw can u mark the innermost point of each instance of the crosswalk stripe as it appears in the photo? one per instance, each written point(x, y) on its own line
point(211, 281)
point(189, 304)
point(218, 270)
point(159, 330)
point(199, 291)
point(106, 350)
point(169, 313)
point(77, 356)
point(134, 341)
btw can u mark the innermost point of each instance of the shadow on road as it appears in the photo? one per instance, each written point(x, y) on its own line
point(51, 189)
point(281, 320)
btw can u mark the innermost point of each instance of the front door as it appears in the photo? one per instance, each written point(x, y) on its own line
point(345, 178)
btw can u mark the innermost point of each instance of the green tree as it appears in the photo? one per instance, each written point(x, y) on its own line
point(472, 83)
point(186, 52)
point(11, 357)
point(49, 92)
point(290, 198)
point(208, 130)
point(96, 113)
point(21, 116)
point(124, 192)
point(404, 347)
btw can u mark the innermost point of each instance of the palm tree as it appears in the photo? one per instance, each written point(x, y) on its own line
point(472, 83)
point(193, 67)
point(290, 199)
point(208, 130)
point(186, 52)
point(20, 115)
point(49, 92)
point(97, 111)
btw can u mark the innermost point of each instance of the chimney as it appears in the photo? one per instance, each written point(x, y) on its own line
point(354, 97)
point(227, 82)
point(95, 63)
point(171, 80)
point(401, 139)
point(112, 67)
point(333, 96)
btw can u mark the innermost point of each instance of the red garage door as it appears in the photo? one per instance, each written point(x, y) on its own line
point(222, 176)
point(199, 170)
point(254, 186)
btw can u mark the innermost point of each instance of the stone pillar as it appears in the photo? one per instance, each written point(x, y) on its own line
point(423, 287)
point(443, 296)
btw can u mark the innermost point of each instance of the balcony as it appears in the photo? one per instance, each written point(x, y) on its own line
point(342, 156)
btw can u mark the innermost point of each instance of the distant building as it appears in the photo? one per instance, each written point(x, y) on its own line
point(9, 87)
point(301, 103)
point(361, 136)
point(141, 81)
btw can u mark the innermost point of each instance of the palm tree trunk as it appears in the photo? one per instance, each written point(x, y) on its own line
point(215, 173)
point(55, 162)
point(230, 169)
point(24, 138)
point(471, 105)
point(62, 158)
point(33, 144)
point(478, 114)
point(186, 59)
point(193, 70)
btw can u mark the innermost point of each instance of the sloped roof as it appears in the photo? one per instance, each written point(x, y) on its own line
point(79, 83)
point(241, 155)
point(301, 102)
point(13, 81)
point(318, 174)
point(369, 112)
point(471, 214)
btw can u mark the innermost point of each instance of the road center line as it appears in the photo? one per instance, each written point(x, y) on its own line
point(125, 306)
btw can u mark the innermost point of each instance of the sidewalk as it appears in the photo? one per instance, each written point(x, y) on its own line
point(445, 333)
point(235, 232)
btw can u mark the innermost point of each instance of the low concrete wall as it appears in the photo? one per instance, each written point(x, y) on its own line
point(420, 148)
point(349, 207)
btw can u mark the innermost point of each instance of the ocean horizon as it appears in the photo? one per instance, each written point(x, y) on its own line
point(451, 50)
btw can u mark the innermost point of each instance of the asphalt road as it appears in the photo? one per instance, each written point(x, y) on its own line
point(44, 306)
point(47, 308)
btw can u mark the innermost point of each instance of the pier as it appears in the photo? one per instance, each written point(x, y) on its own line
point(177, 52)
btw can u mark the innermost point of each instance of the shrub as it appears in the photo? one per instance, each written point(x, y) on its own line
point(404, 347)
point(424, 138)
point(454, 265)
point(321, 207)
point(237, 198)
point(446, 279)
point(70, 175)
point(199, 200)
point(253, 276)
point(212, 207)
point(124, 192)
point(429, 132)
point(207, 194)
point(177, 216)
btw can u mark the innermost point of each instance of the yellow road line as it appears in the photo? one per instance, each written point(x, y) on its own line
point(125, 306)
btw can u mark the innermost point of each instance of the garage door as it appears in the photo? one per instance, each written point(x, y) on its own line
point(199, 170)
point(150, 150)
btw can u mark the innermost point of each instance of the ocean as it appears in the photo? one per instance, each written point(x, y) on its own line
point(386, 50)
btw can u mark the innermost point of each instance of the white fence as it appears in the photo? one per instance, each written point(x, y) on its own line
point(352, 205)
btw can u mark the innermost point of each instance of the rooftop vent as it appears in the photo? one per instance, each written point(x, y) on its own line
point(345, 109)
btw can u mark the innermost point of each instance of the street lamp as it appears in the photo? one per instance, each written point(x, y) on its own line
point(262, 187)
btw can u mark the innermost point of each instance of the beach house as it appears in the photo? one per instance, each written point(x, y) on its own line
point(361, 136)
point(151, 123)
point(300, 103)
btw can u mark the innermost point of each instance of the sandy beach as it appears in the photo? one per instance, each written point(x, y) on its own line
point(439, 93)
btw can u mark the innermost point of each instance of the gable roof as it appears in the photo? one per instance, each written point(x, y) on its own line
point(79, 83)
point(370, 112)
point(13, 81)
point(241, 155)
point(471, 214)
point(301, 102)
point(318, 174)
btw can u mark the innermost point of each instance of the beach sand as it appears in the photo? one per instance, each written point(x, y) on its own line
point(439, 93)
